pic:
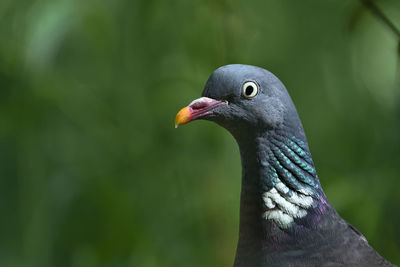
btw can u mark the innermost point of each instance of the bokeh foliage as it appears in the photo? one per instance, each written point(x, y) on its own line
point(92, 172)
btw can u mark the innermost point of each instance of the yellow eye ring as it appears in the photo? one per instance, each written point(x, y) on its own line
point(249, 89)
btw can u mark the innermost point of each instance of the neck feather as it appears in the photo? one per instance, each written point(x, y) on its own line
point(281, 195)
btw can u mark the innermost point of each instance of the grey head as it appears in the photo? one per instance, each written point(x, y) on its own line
point(257, 100)
point(255, 107)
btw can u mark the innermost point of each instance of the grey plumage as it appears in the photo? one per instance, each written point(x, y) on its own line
point(285, 217)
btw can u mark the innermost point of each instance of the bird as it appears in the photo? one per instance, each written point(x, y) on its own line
point(285, 216)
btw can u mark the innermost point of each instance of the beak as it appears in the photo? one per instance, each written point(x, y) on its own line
point(199, 108)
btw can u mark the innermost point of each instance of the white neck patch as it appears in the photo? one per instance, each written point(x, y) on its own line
point(282, 208)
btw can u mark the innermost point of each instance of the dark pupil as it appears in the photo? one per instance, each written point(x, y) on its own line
point(249, 90)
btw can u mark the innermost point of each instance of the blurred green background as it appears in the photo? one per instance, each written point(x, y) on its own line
point(92, 171)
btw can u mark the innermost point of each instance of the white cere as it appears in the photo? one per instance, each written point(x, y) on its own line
point(201, 99)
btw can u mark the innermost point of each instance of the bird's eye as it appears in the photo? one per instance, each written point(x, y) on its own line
point(249, 89)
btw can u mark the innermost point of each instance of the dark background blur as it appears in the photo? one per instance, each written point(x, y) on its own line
point(92, 171)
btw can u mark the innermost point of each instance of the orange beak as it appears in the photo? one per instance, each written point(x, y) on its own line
point(199, 108)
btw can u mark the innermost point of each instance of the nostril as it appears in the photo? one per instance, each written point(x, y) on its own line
point(204, 104)
point(199, 105)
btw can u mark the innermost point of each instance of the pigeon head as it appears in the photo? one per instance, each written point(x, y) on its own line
point(242, 98)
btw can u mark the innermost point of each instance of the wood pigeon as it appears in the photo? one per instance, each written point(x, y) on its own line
point(285, 217)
